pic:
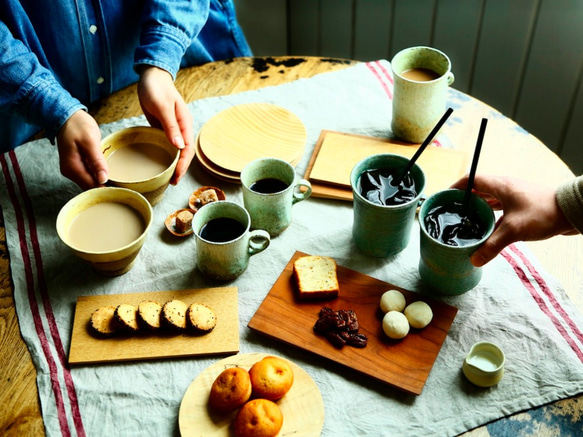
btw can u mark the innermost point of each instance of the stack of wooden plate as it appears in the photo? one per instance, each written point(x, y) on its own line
point(243, 133)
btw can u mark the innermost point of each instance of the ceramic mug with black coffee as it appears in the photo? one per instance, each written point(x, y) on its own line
point(270, 189)
point(224, 241)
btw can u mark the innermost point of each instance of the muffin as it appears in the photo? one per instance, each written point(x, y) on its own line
point(258, 418)
point(230, 390)
point(271, 378)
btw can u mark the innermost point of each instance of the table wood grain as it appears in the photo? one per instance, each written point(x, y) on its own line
point(506, 150)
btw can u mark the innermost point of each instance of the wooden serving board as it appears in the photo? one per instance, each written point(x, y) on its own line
point(336, 153)
point(404, 364)
point(302, 407)
point(223, 339)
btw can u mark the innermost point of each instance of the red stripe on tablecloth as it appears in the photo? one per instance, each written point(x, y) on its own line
point(50, 315)
point(386, 80)
point(522, 275)
point(62, 415)
point(385, 72)
point(371, 67)
point(548, 292)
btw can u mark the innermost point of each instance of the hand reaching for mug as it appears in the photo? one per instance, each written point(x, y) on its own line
point(165, 108)
point(79, 145)
point(530, 212)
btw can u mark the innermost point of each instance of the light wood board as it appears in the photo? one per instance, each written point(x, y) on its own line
point(404, 364)
point(242, 133)
point(336, 154)
point(223, 339)
point(302, 407)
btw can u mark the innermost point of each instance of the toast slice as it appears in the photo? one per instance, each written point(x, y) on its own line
point(316, 277)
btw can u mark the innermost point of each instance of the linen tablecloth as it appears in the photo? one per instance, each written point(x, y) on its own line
point(517, 304)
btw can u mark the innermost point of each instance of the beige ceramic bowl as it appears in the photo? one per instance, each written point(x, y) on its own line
point(152, 188)
point(113, 262)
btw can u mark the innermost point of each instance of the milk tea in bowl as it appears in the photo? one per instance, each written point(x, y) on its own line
point(142, 159)
point(106, 227)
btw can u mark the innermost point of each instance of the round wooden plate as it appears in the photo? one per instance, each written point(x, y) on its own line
point(242, 133)
point(302, 407)
point(221, 173)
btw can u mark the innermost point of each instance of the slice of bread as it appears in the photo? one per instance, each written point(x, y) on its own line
point(316, 277)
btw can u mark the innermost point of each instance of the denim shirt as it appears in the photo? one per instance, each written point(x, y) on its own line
point(58, 56)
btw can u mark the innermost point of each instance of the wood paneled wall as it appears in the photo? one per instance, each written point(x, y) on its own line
point(522, 57)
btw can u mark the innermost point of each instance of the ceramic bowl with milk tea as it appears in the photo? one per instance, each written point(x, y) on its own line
point(106, 227)
point(142, 159)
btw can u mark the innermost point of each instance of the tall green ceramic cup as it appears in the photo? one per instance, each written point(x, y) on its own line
point(447, 269)
point(383, 230)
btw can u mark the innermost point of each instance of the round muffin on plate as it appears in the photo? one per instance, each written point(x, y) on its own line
point(258, 418)
point(271, 378)
point(230, 390)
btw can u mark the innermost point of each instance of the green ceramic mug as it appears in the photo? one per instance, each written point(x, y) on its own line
point(383, 230)
point(445, 268)
point(224, 242)
point(270, 189)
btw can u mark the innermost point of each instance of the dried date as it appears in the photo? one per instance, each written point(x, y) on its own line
point(340, 328)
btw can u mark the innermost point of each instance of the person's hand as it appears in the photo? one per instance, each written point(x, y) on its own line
point(80, 155)
point(165, 108)
point(530, 212)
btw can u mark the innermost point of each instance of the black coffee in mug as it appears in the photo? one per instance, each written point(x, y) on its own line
point(385, 186)
point(221, 230)
point(268, 186)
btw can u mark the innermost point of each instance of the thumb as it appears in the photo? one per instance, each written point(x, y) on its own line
point(499, 239)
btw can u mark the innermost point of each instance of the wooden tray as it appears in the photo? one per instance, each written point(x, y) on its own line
point(404, 364)
point(302, 407)
point(223, 339)
point(330, 175)
point(242, 133)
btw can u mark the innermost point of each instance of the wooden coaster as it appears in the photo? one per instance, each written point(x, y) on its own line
point(242, 133)
point(302, 407)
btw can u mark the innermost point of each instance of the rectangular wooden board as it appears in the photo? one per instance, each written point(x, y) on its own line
point(336, 153)
point(404, 364)
point(223, 339)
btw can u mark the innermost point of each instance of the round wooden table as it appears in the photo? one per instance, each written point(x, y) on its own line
point(509, 152)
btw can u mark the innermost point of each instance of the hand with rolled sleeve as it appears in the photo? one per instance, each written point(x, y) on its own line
point(529, 211)
point(51, 70)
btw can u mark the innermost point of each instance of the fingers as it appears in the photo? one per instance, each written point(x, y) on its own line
point(81, 159)
point(500, 238)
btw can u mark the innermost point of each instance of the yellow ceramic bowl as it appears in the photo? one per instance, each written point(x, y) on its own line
point(135, 140)
point(114, 260)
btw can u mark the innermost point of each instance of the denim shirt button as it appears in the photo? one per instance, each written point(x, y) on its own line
point(93, 29)
point(100, 80)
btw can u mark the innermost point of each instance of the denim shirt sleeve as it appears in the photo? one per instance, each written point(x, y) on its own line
point(30, 90)
point(168, 29)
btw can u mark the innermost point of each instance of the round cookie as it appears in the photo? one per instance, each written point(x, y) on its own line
point(201, 317)
point(271, 378)
point(395, 325)
point(258, 418)
point(392, 300)
point(418, 314)
point(230, 390)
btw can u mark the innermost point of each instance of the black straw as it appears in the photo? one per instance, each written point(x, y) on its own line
point(425, 143)
point(474, 165)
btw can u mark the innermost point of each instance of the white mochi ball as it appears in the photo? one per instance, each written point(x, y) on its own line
point(392, 300)
point(395, 325)
point(418, 314)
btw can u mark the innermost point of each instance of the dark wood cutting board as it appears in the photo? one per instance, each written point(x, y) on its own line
point(404, 364)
